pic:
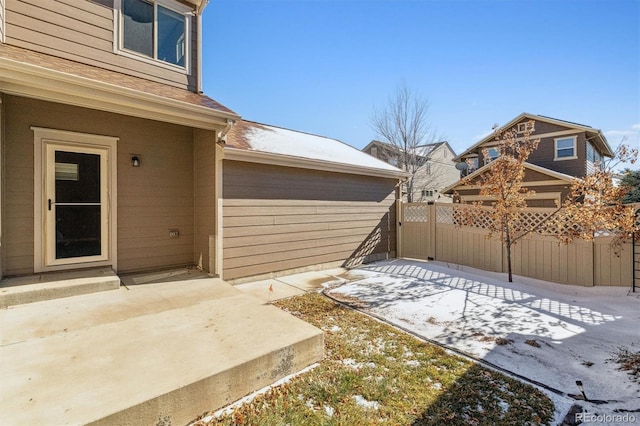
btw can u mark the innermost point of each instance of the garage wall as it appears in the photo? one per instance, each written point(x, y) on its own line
point(283, 218)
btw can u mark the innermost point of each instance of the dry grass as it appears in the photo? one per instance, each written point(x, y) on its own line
point(628, 361)
point(375, 374)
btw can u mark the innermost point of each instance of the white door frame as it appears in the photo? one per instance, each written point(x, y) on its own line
point(46, 139)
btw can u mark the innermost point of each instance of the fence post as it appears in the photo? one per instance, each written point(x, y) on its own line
point(431, 218)
point(399, 219)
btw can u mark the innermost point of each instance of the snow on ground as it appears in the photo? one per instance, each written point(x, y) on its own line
point(551, 333)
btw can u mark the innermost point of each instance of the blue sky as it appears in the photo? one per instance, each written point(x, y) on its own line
point(320, 66)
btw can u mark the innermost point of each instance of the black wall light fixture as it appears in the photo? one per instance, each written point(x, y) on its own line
point(135, 161)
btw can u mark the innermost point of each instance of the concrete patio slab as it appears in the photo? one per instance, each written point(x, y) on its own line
point(272, 289)
point(269, 290)
point(155, 353)
point(314, 280)
point(55, 285)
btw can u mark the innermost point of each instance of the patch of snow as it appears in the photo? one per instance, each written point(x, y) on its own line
point(362, 401)
point(412, 363)
point(575, 326)
point(229, 408)
point(335, 329)
point(437, 385)
point(353, 364)
point(277, 140)
point(329, 410)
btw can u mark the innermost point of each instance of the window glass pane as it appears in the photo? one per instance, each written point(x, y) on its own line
point(171, 36)
point(78, 231)
point(77, 177)
point(591, 153)
point(564, 148)
point(137, 26)
point(565, 143)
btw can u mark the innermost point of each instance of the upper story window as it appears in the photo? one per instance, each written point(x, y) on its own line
point(156, 30)
point(428, 168)
point(523, 127)
point(492, 154)
point(566, 148)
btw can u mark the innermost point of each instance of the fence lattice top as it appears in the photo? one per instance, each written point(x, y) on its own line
point(480, 217)
point(416, 213)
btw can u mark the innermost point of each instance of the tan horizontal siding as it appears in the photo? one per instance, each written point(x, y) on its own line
point(152, 198)
point(279, 218)
point(81, 31)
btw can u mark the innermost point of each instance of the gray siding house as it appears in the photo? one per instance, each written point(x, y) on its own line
point(436, 169)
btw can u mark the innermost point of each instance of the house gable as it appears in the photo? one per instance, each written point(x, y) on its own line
point(563, 145)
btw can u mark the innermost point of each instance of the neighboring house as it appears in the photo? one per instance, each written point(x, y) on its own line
point(436, 169)
point(566, 151)
point(113, 157)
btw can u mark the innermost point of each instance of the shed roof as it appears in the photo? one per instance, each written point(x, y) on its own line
point(299, 149)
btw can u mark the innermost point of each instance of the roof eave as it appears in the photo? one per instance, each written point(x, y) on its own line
point(534, 167)
point(22, 79)
point(538, 118)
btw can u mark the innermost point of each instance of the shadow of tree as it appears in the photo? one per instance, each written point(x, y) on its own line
point(479, 391)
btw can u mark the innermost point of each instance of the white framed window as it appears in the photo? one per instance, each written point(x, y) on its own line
point(155, 31)
point(427, 193)
point(492, 154)
point(428, 168)
point(523, 127)
point(472, 162)
point(566, 148)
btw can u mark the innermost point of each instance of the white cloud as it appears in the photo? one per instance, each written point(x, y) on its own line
point(482, 136)
point(632, 135)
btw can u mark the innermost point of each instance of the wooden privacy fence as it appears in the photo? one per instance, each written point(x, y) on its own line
point(430, 231)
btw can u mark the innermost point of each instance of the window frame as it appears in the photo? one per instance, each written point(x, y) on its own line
point(555, 148)
point(522, 127)
point(174, 6)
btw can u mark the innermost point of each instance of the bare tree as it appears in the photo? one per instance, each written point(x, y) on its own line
point(403, 123)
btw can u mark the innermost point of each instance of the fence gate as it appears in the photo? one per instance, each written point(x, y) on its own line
point(417, 231)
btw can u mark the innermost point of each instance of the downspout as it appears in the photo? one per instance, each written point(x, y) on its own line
point(199, 42)
point(222, 135)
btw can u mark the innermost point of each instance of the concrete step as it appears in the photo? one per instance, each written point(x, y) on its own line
point(56, 285)
point(155, 353)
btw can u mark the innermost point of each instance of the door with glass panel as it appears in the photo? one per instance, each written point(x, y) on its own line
point(76, 205)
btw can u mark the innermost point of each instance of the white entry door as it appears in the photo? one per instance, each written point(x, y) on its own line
point(76, 204)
